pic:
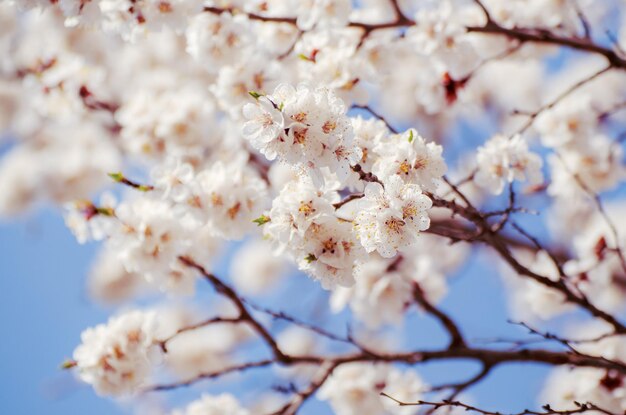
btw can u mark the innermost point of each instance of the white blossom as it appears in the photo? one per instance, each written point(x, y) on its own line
point(298, 205)
point(391, 218)
point(309, 127)
point(229, 197)
point(569, 121)
point(218, 40)
point(355, 388)
point(117, 358)
point(224, 404)
point(410, 157)
point(173, 178)
point(502, 160)
point(255, 269)
point(594, 167)
point(323, 13)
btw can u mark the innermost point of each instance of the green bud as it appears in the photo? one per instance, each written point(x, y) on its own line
point(304, 57)
point(310, 258)
point(68, 364)
point(411, 136)
point(255, 94)
point(118, 177)
point(106, 211)
point(262, 220)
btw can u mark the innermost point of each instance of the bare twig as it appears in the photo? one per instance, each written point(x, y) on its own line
point(376, 115)
point(532, 116)
point(456, 338)
point(547, 410)
point(244, 314)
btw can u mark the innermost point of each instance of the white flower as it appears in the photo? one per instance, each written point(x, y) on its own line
point(597, 164)
point(265, 124)
point(315, 132)
point(109, 282)
point(168, 122)
point(530, 299)
point(218, 40)
point(405, 386)
point(117, 358)
point(298, 205)
point(379, 296)
point(391, 218)
point(132, 17)
point(440, 34)
point(303, 224)
point(329, 253)
point(151, 240)
point(172, 179)
point(383, 289)
point(368, 136)
point(410, 157)
point(597, 269)
point(605, 388)
point(89, 222)
point(255, 269)
point(569, 121)
point(257, 73)
point(230, 196)
point(323, 13)
point(354, 389)
point(502, 160)
point(223, 404)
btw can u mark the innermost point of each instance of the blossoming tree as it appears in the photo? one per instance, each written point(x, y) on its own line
point(372, 146)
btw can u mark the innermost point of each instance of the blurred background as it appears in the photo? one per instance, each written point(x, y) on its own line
point(44, 307)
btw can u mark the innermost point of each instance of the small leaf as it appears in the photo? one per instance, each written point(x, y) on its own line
point(255, 94)
point(68, 364)
point(118, 177)
point(262, 220)
point(106, 211)
point(310, 258)
point(304, 57)
point(411, 136)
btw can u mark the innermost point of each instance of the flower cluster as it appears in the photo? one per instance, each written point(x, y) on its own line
point(502, 160)
point(355, 389)
point(369, 145)
point(302, 126)
point(118, 357)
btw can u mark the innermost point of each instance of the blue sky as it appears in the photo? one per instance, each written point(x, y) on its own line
point(43, 309)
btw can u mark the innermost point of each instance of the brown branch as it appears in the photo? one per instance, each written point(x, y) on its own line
point(120, 178)
point(487, 357)
point(457, 388)
point(292, 407)
point(205, 323)
point(244, 314)
point(532, 116)
point(376, 115)
point(366, 177)
point(212, 375)
point(562, 340)
point(581, 407)
point(600, 207)
point(494, 240)
point(547, 37)
point(348, 199)
point(402, 21)
point(456, 338)
point(279, 315)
